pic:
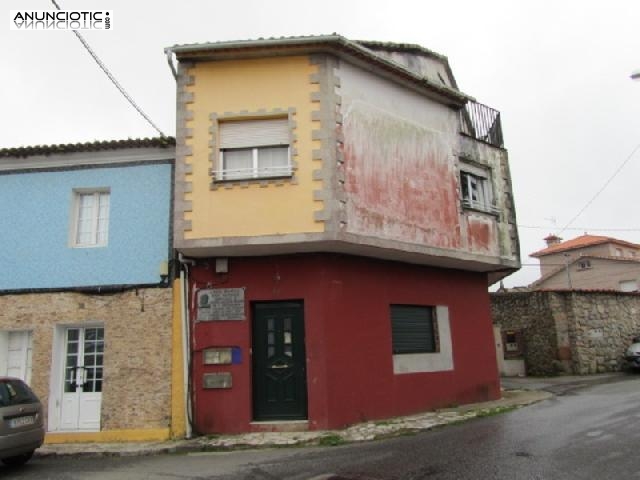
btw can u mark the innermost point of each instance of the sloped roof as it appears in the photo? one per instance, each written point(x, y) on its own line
point(355, 50)
point(94, 146)
point(581, 242)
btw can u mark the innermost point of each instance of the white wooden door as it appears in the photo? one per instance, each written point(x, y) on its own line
point(82, 389)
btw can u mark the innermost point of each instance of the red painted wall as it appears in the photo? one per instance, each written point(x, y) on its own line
point(348, 338)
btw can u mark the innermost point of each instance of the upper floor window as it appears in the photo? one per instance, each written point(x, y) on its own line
point(90, 218)
point(254, 149)
point(584, 264)
point(476, 190)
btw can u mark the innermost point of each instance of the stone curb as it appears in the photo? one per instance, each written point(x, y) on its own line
point(364, 432)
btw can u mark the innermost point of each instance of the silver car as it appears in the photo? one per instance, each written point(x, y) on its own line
point(21, 424)
point(632, 355)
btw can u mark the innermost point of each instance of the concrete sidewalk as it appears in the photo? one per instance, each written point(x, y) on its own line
point(357, 433)
point(517, 392)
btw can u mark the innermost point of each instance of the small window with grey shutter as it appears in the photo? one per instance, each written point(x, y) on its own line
point(414, 329)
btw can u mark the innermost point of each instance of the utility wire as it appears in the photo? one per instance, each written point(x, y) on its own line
point(585, 229)
point(112, 78)
point(606, 184)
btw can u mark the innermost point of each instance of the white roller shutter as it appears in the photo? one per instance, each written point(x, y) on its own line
point(254, 133)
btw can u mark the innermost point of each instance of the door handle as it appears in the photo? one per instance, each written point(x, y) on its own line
point(279, 366)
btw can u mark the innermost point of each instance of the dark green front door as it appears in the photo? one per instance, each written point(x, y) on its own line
point(279, 376)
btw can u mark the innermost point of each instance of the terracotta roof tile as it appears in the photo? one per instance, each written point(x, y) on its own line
point(581, 242)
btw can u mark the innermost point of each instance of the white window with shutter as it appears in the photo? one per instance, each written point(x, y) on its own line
point(16, 354)
point(254, 149)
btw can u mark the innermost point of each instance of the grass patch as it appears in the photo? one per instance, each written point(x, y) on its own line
point(331, 440)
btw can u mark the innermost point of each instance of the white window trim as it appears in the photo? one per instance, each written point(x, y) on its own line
point(429, 362)
point(254, 134)
point(255, 171)
point(75, 214)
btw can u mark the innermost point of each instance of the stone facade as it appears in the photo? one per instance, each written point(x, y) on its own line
point(576, 332)
point(136, 390)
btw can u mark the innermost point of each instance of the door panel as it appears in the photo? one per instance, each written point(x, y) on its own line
point(83, 361)
point(279, 361)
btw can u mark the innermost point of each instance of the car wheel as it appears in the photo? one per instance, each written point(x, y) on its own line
point(18, 459)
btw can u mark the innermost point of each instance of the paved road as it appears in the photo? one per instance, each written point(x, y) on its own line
point(590, 433)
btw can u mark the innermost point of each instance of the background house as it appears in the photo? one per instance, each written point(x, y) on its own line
point(589, 262)
point(340, 208)
point(85, 303)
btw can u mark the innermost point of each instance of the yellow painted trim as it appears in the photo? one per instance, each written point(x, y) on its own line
point(142, 435)
point(178, 425)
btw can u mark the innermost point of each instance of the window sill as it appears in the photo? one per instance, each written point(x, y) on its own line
point(493, 211)
point(263, 181)
point(252, 179)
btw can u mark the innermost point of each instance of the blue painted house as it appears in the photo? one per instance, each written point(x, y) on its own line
point(85, 297)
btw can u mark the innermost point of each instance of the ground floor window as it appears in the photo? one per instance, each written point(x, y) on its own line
point(413, 329)
point(16, 354)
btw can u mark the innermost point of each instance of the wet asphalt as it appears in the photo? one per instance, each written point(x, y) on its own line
point(587, 431)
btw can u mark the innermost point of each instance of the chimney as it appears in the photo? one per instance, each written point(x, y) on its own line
point(552, 240)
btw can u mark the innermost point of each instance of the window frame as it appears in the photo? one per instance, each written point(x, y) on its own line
point(432, 318)
point(483, 188)
point(95, 241)
point(274, 133)
point(255, 172)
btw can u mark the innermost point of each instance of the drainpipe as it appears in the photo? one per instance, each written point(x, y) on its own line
point(169, 54)
point(186, 334)
point(566, 262)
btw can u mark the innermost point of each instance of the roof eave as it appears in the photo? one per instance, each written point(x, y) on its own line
point(333, 44)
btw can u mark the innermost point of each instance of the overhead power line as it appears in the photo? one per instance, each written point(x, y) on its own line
point(597, 194)
point(112, 78)
point(584, 229)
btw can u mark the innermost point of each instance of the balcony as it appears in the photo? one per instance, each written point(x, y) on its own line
point(482, 123)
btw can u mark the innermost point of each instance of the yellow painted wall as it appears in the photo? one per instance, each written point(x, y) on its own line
point(252, 85)
point(107, 436)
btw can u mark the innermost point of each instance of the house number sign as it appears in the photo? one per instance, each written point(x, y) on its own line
point(221, 304)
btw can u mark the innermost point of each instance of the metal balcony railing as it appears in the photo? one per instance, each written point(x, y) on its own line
point(482, 123)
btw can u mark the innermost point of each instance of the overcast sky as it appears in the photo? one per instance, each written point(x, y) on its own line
point(558, 71)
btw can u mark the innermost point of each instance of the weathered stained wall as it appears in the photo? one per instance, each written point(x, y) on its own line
point(137, 361)
point(400, 170)
point(428, 66)
point(572, 331)
point(498, 232)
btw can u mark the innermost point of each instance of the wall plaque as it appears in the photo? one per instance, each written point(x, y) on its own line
point(217, 356)
point(221, 304)
point(217, 380)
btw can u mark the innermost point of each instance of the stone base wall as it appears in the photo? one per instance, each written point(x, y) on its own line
point(601, 328)
point(570, 331)
point(530, 313)
point(136, 391)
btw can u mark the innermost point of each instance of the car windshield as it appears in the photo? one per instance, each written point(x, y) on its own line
point(15, 392)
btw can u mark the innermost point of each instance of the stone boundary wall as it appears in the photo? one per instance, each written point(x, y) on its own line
point(580, 332)
point(530, 313)
point(136, 390)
